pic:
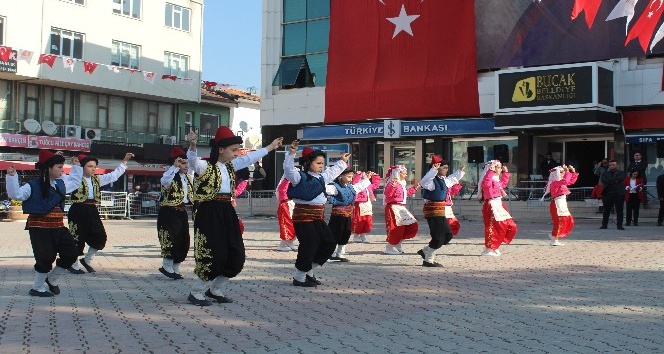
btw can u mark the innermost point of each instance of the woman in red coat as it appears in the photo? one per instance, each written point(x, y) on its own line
point(633, 197)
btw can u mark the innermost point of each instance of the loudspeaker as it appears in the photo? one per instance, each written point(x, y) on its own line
point(475, 154)
point(660, 149)
point(501, 153)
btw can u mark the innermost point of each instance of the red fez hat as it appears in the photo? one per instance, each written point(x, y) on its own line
point(225, 137)
point(436, 159)
point(306, 152)
point(48, 159)
point(84, 159)
point(178, 152)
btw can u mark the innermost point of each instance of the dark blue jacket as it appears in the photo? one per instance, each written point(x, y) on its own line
point(346, 195)
point(437, 195)
point(36, 204)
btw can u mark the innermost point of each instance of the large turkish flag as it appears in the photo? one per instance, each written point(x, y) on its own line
point(401, 59)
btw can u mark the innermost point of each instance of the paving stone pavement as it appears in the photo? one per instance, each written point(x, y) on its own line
point(600, 293)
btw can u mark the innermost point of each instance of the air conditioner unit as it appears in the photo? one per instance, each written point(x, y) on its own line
point(71, 131)
point(92, 134)
point(169, 140)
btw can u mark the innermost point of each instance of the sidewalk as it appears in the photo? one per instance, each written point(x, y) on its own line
point(601, 292)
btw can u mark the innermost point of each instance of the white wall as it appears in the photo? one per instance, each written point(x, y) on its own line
point(27, 29)
point(250, 114)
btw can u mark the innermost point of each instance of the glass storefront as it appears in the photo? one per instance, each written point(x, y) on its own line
point(505, 148)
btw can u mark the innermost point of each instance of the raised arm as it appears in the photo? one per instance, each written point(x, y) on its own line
point(168, 176)
point(363, 184)
point(333, 172)
point(504, 179)
point(14, 189)
point(291, 174)
point(455, 178)
point(571, 177)
point(73, 180)
point(427, 181)
point(251, 158)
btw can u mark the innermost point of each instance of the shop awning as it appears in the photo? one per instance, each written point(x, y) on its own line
point(563, 119)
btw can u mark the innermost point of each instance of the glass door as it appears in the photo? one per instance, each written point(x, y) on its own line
point(405, 156)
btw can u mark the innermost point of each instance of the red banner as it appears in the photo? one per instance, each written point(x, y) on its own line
point(44, 142)
point(401, 59)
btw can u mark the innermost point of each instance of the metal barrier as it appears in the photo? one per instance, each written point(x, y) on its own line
point(112, 205)
point(143, 204)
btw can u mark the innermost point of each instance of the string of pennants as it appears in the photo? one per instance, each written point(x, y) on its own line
point(69, 63)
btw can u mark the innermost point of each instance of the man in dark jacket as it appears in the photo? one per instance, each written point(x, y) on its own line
point(546, 165)
point(613, 194)
point(660, 195)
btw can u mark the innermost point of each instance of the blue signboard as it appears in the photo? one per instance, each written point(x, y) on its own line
point(326, 147)
point(440, 127)
point(643, 139)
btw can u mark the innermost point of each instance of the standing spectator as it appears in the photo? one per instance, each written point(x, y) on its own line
point(613, 194)
point(640, 166)
point(259, 176)
point(633, 197)
point(547, 165)
point(660, 195)
point(600, 168)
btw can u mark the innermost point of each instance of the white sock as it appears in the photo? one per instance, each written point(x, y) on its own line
point(339, 250)
point(217, 284)
point(198, 289)
point(429, 254)
point(76, 266)
point(342, 250)
point(167, 264)
point(54, 274)
point(91, 253)
point(313, 266)
point(176, 268)
point(300, 275)
point(40, 281)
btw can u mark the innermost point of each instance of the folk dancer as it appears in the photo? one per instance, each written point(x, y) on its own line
point(307, 190)
point(44, 200)
point(559, 178)
point(285, 217)
point(499, 227)
point(342, 195)
point(400, 224)
point(363, 211)
point(84, 220)
point(172, 220)
point(435, 188)
point(218, 247)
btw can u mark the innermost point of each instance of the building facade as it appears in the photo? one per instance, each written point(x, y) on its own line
point(614, 109)
point(101, 77)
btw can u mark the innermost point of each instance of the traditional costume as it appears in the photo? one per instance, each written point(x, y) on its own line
point(363, 210)
point(563, 222)
point(84, 220)
point(342, 199)
point(435, 191)
point(307, 190)
point(400, 224)
point(44, 201)
point(172, 220)
point(218, 246)
point(499, 227)
point(285, 217)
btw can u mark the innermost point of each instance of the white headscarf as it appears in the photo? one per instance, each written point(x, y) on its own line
point(487, 167)
point(393, 173)
point(555, 175)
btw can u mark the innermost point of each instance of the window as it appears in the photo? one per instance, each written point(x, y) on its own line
point(56, 104)
point(177, 17)
point(131, 8)
point(66, 43)
point(125, 54)
point(79, 2)
point(2, 30)
point(306, 31)
point(5, 99)
point(188, 122)
point(102, 111)
point(176, 64)
point(209, 125)
point(29, 102)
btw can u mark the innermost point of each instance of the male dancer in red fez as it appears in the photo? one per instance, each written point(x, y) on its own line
point(218, 246)
point(172, 221)
point(44, 200)
point(84, 220)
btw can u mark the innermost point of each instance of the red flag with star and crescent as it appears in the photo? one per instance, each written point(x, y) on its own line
point(644, 28)
point(401, 59)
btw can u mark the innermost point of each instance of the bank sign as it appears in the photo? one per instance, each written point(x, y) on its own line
point(554, 88)
point(395, 129)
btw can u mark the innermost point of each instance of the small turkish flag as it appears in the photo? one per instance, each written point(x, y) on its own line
point(25, 55)
point(590, 7)
point(89, 66)
point(47, 59)
point(148, 76)
point(172, 77)
point(5, 53)
point(644, 28)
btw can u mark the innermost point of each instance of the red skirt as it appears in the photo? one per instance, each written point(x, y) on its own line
point(286, 230)
point(496, 232)
point(454, 225)
point(361, 224)
point(562, 225)
point(396, 234)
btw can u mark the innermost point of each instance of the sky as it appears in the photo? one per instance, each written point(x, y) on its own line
point(232, 42)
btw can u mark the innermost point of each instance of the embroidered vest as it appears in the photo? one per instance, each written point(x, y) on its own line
point(439, 194)
point(207, 185)
point(36, 204)
point(81, 194)
point(346, 195)
point(174, 194)
point(308, 189)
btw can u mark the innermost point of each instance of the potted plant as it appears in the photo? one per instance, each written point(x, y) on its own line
point(16, 210)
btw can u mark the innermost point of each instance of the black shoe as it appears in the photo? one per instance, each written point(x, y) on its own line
point(86, 266)
point(313, 280)
point(628, 224)
point(220, 299)
point(179, 276)
point(34, 292)
point(306, 283)
point(620, 228)
point(602, 227)
point(343, 259)
point(421, 253)
point(333, 258)
point(169, 274)
point(636, 223)
point(75, 271)
point(197, 302)
point(53, 288)
point(431, 265)
point(659, 224)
